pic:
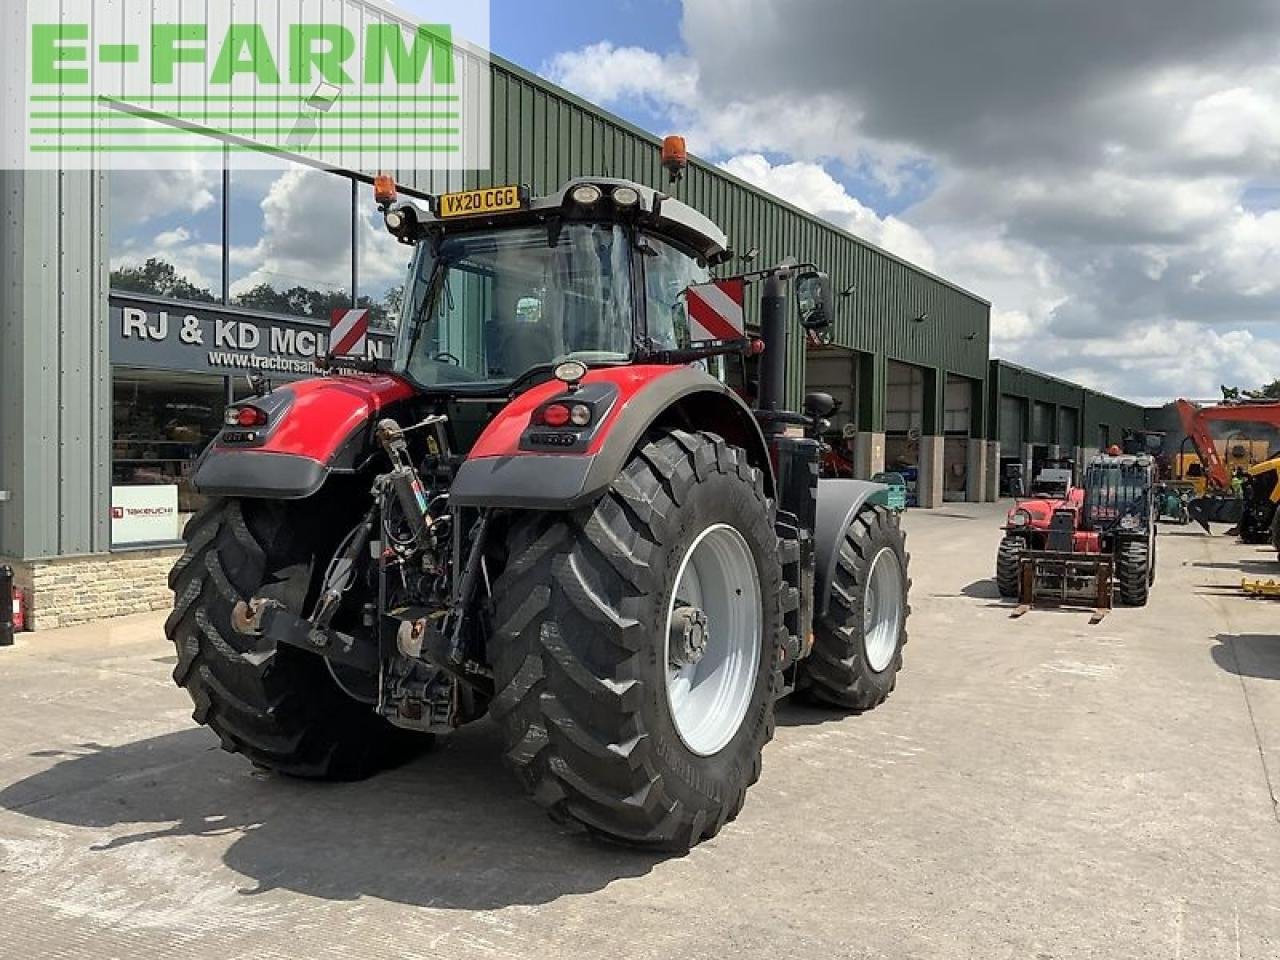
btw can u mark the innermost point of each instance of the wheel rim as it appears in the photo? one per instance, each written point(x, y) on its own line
point(709, 690)
point(882, 612)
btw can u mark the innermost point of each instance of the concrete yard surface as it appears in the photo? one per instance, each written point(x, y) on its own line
point(1035, 788)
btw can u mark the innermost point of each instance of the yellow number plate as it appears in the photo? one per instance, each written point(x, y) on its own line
point(476, 202)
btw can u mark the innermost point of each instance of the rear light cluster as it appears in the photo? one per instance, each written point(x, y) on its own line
point(245, 417)
point(565, 414)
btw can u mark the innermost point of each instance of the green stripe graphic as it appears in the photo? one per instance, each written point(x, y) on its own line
point(241, 131)
point(233, 98)
point(235, 148)
point(114, 116)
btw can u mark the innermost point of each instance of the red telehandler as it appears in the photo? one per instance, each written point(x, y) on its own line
point(547, 510)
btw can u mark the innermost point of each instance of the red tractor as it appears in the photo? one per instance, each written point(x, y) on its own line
point(1100, 537)
point(550, 509)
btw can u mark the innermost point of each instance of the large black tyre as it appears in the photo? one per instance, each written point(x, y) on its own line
point(1275, 531)
point(281, 709)
point(580, 656)
point(1133, 571)
point(850, 667)
point(1009, 566)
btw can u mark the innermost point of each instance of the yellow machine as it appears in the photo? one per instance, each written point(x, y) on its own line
point(1188, 469)
point(1269, 589)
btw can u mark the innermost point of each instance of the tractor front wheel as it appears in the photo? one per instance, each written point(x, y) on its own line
point(857, 650)
point(1009, 566)
point(282, 708)
point(1133, 570)
point(638, 643)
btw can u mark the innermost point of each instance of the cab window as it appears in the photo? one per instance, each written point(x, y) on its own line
point(668, 272)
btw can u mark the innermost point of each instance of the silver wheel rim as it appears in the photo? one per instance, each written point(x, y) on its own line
point(882, 612)
point(708, 699)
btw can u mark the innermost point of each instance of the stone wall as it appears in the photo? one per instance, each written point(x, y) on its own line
point(69, 590)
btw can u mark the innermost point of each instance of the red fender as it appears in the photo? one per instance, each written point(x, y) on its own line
point(501, 438)
point(311, 424)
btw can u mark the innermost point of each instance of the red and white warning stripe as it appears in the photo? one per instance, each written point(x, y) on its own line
point(716, 310)
point(349, 333)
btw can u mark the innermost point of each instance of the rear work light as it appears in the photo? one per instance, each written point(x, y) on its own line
point(556, 415)
point(245, 417)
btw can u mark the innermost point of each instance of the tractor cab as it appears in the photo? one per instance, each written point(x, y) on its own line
point(1119, 496)
point(504, 286)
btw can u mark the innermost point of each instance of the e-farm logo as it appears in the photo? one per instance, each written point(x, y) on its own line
point(349, 83)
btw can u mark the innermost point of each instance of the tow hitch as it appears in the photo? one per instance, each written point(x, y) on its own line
point(271, 619)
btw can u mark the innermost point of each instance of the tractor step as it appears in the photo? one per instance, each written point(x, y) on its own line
point(1064, 578)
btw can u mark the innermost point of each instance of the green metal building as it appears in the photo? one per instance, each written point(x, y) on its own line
point(1035, 416)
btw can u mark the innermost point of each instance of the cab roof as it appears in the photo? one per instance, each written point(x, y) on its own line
point(657, 211)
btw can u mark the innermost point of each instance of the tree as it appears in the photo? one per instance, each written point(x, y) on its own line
point(1270, 391)
point(386, 315)
point(161, 279)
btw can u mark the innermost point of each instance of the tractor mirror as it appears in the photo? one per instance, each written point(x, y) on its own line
point(813, 296)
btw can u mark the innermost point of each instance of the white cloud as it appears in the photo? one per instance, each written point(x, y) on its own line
point(604, 73)
point(139, 196)
point(306, 236)
point(812, 188)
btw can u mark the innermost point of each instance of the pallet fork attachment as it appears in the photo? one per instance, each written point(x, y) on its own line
point(1064, 579)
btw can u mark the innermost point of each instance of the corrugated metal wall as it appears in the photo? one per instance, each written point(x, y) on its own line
point(1119, 415)
point(1079, 409)
point(55, 379)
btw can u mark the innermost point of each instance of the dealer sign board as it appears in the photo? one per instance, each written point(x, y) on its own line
point(156, 335)
point(144, 515)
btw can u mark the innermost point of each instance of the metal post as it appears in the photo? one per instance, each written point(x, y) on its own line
point(773, 331)
point(6, 606)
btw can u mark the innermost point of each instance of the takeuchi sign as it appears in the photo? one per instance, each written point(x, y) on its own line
point(163, 336)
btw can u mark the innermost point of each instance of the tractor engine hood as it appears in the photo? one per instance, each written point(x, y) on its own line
point(1041, 511)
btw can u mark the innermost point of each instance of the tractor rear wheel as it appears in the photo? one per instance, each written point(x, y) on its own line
point(1009, 566)
point(637, 646)
point(857, 649)
point(282, 709)
point(1133, 570)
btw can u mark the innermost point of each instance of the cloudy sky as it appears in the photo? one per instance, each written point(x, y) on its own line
point(1107, 174)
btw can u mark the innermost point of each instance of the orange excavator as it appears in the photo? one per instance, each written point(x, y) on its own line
point(1253, 509)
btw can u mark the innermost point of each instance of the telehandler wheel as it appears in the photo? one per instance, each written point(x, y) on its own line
point(857, 650)
point(282, 710)
point(1009, 566)
point(1275, 531)
point(637, 646)
point(1133, 571)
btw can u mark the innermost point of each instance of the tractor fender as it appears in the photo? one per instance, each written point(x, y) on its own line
point(508, 468)
point(839, 501)
point(314, 428)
